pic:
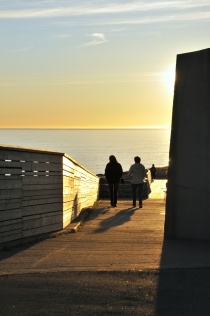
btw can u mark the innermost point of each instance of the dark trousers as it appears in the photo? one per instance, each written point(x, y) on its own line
point(153, 175)
point(113, 189)
point(138, 186)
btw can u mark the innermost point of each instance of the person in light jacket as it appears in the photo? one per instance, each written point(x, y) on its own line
point(113, 173)
point(137, 172)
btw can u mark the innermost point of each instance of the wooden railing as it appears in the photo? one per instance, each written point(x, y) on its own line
point(41, 191)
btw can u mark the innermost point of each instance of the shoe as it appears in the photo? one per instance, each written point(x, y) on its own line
point(140, 205)
point(134, 205)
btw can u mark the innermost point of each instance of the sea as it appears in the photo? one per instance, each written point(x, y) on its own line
point(92, 147)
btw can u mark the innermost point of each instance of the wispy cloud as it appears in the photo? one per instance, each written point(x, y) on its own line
point(202, 16)
point(91, 80)
point(61, 36)
point(97, 39)
point(170, 17)
point(49, 9)
point(18, 50)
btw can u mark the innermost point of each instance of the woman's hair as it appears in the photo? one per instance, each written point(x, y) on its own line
point(137, 159)
point(112, 159)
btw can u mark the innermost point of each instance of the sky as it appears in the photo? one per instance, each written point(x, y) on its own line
point(94, 64)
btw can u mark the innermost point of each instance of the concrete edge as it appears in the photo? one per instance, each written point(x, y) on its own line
point(138, 272)
point(73, 226)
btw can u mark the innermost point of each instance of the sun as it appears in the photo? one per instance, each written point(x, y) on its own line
point(169, 78)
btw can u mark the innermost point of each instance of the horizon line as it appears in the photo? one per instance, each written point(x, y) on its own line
point(91, 128)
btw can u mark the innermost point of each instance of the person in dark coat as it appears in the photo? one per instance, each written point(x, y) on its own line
point(153, 172)
point(113, 173)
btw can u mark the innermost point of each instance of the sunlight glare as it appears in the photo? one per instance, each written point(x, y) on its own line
point(169, 78)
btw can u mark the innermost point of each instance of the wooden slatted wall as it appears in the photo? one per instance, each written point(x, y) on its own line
point(31, 193)
point(41, 191)
point(80, 189)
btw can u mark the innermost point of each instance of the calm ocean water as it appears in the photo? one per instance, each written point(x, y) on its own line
point(92, 148)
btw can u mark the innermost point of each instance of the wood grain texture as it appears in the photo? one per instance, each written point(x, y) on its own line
point(41, 191)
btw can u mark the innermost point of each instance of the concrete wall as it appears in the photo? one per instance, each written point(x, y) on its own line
point(188, 194)
point(41, 191)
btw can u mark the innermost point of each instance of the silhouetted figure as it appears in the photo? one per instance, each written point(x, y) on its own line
point(153, 172)
point(137, 173)
point(113, 173)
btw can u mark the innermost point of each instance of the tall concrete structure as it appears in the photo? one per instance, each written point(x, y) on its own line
point(188, 194)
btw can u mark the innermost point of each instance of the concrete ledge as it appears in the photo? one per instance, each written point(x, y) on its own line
point(74, 225)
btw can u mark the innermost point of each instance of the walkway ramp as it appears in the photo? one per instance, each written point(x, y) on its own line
point(158, 189)
point(111, 239)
